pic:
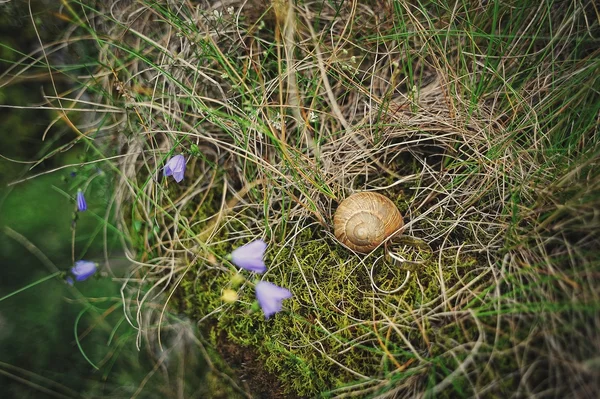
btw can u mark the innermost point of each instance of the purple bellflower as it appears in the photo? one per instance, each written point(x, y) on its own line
point(175, 167)
point(81, 204)
point(269, 297)
point(83, 270)
point(250, 256)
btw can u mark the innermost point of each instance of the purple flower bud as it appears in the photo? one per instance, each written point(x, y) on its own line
point(83, 269)
point(250, 256)
point(175, 167)
point(270, 296)
point(70, 280)
point(81, 204)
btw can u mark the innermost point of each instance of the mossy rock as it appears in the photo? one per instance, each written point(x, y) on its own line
point(338, 329)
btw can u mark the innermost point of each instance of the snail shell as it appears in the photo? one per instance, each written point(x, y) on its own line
point(364, 220)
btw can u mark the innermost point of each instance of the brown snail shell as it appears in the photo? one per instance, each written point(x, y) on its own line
point(364, 220)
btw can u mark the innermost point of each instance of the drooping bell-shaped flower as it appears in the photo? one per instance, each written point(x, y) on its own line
point(83, 269)
point(250, 256)
point(81, 204)
point(175, 167)
point(270, 296)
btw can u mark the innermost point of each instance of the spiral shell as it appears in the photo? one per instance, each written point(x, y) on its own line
point(364, 220)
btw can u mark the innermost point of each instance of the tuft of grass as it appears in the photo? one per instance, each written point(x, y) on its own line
point(479, 119)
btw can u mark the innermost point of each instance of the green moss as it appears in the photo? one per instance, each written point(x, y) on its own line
point(337, 328)
point(327, 337)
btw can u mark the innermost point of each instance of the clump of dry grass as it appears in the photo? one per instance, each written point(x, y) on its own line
point(283, 110)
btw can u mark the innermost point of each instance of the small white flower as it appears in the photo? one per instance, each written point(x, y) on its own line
point(230, 10)
point(353, 59)
point(277, 121)
point(216, 15)
point(312, 116)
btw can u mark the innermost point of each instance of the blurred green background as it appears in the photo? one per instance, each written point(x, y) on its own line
point(40, 356)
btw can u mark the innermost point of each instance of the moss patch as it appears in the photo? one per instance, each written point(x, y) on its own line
point(337, 329)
